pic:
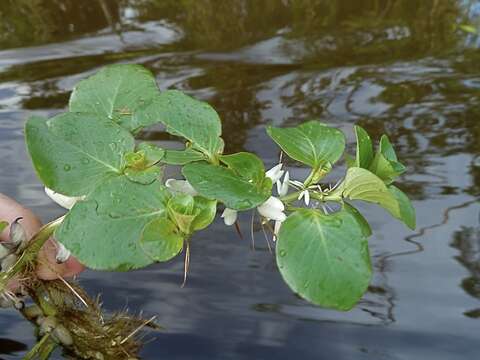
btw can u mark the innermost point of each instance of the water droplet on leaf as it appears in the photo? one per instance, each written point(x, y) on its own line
point(283, 253)
point(67, 167)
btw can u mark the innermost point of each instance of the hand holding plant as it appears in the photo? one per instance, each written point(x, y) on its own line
point(48, 266)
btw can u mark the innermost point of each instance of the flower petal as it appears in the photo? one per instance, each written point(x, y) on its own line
point(275, 173)
point(307, 197)
point(275, 203)
point(62, 254)
point(282, 189)
point(276, 229)
point(181, 186)
point(272, 209)
point(64, 201)
point(301, 195)
point(229, 216)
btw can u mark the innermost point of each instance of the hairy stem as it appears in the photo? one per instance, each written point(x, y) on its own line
point(30, 253)
point(42, 349)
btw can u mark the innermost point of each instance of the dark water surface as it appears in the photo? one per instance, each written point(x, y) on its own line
point(400, 67)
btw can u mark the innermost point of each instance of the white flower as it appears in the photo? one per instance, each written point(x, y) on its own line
point(282, 187)
point(64, 201)
point(62, 253)
point(229, 216)
point(181, 186)
point(297, 184)
point(276, 229)
point(275, 173)
point(272, 209)
point(306, 195)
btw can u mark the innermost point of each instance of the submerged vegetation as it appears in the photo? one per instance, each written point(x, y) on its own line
point(62, 313)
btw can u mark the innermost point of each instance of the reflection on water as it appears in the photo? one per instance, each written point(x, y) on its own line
point(402, 67)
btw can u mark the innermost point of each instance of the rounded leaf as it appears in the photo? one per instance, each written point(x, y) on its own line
point(407, 211)
point(116, 92)
point(103, 232)
point(324, 258)
point(225, 185)
point(205, 211)
point(312, 143)
point(161, 240)
point(187, 117)
point(74, 153)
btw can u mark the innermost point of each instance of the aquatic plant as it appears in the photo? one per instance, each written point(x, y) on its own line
point(62, 313)
point(123, 215)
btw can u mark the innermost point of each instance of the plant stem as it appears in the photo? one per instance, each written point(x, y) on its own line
point(31, 251)
point(311, 177)
point(42, 348)
point(290, 197)
point(336, 197)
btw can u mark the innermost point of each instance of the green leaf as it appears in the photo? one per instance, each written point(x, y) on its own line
point(385, 169)
point(324, 258)
point(312, 143)
point(115, 92)
point(386, 149)
point(364, 154)
point(74, 153)
point(144, 176)
point(385, 163)
point(140, 166)
point(247, 166)
point(182, 157)
point(362, 222)
point(103, 232)
point(227, 185)
point(407, 211)
point(205, 211)
point(184, 116)
point(361, 184)
point(3, 225)
point(153, 154)
point(180, 208)
point(468, 28)
point(161, 240)
point(191, 213)
point(349, 160)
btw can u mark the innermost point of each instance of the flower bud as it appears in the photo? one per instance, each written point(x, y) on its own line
point(18, 235)
point(62, 335)
point(32, 312)
point(8, 262)
point(4, 252)
point(47, 325)
point(62, 254)
point(229, 216)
